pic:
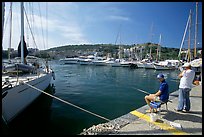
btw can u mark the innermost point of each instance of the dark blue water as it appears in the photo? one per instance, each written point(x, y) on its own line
point(104, 90)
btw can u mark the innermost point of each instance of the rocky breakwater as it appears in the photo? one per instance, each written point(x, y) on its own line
point(101, 129)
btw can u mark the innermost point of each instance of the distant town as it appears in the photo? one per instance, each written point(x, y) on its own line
point(136, 51)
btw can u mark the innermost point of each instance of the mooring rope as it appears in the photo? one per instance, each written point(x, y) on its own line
point(66, 102)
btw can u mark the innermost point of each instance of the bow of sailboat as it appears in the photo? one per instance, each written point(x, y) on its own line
point(35, 71)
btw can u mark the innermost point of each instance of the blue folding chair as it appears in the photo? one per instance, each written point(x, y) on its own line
point(157, 104)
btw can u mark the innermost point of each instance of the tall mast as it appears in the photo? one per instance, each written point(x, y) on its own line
point(9, 56)
point(189, 40)
point(118, 37)
point(120, 48)
point(22, 33)
point(151, 35)
point(196, 30)
point(183, 37)
point(3, 10)
point(159, 48)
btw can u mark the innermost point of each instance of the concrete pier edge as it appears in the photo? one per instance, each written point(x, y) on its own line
point(115, 125)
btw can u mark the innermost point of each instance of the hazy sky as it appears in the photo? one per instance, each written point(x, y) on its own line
point(70, 23)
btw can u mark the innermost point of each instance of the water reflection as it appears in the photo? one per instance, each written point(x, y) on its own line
point(35, 118)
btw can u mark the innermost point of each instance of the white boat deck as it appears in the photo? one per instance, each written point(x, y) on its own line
point(14, 80)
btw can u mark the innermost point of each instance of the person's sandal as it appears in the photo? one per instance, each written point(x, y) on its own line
point(155, 110)
point(148, 111)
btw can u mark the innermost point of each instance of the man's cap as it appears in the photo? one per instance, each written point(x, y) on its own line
point(160, 76)
point(186, 64)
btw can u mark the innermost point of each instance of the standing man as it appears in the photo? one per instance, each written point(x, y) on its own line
point(161, 95)
point(185, 86)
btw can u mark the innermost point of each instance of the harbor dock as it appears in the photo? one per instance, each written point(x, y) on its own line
point(168, 121)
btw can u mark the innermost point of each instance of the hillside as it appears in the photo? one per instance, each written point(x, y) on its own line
point(103, 50)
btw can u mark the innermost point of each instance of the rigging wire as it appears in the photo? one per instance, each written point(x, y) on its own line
point(41, 25)
point(32, 17)
point(30, 29)
point(6, 22)
point(66, 102)
point(9, 55)
point(46, 25)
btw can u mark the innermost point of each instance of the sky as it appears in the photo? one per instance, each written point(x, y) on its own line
point(55, 24)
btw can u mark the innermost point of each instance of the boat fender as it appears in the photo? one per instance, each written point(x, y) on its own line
point(53, 75)
point(4, 94)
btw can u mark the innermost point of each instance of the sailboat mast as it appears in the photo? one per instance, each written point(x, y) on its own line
point(150, 50)
point(183, 37)
point(9, 56)
point(196, 30)
point(189, 40)
point(158, 48)
point(120, 48)
point(3, 10)
point(22, 33)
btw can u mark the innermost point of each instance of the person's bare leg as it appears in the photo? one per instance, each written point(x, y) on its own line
point(149, 98)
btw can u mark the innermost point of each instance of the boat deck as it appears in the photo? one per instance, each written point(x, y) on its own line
point(14, 80)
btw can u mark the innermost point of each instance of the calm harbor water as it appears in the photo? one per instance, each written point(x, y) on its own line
point(104, 90)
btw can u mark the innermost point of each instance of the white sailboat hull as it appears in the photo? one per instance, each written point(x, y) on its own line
point(125, 63)
point(149, 65)
point(21, 96)
point(116, 64)
point(157, 67)
point(140, 65)
point(99, 63)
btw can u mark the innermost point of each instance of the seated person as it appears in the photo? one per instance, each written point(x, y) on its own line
point(161, 95)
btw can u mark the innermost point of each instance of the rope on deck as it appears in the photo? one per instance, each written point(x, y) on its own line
point(66, 102)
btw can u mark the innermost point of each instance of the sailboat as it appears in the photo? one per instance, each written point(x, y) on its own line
point(116, 62)
point(16, 94)
point(166, 64)
point(196, 63)
point(149, 64)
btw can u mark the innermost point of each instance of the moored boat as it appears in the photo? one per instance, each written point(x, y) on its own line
point(69, 60)
point(16, 94)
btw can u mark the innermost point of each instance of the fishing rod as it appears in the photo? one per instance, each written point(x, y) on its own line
point(147, 92)
point(175, 80)
point(142, 90)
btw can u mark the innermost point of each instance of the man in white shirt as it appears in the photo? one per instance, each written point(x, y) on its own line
point(185, 86)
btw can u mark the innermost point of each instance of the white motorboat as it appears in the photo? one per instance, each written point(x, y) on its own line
point(69, 60)
point(140, 64)
point(149, 65)
point(84, 60)
point(163, 65)
point(116, 63)
point(125, 63)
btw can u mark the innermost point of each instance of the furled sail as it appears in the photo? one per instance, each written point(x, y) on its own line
point(25, 50)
